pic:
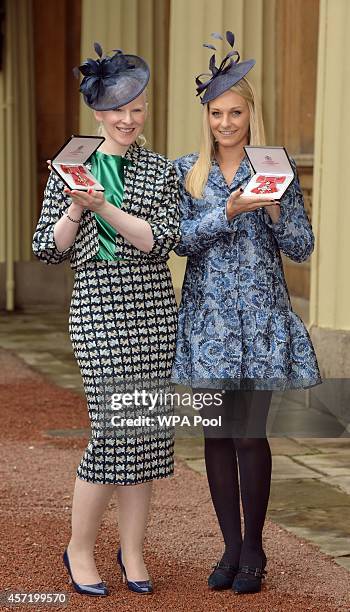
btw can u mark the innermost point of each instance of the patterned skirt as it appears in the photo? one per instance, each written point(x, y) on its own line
point(122, 324)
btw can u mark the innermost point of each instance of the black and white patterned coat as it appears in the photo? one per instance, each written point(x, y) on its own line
point(150, 193)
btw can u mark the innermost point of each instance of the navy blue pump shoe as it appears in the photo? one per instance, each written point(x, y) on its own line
point(95, 590)
point(143, 587)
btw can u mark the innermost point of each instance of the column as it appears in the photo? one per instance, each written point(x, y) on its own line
point(330, 287)
point(17, 143)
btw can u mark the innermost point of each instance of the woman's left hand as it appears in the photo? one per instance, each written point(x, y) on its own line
point(93, 200)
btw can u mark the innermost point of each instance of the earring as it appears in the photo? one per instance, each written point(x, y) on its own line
point(141, 140)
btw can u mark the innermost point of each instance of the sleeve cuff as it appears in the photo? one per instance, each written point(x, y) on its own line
point(230, 224)
point(226, 212)
point(276, 227)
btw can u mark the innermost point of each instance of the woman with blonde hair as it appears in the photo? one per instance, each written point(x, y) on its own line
point(237, 330)
point(123, 312)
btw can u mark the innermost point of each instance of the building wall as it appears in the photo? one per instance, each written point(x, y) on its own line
point(281, 36)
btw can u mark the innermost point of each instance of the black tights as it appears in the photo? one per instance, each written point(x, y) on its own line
point(223, 456)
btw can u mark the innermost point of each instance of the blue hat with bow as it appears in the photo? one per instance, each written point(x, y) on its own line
point(112, 81)
point(230, 71)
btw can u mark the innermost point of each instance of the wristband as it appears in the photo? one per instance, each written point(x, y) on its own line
point(71, 219)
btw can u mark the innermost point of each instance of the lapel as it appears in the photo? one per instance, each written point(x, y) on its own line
point(216, 176)
point(133, 153)
point(135, 179)
point(242, 174)
point(134, 175)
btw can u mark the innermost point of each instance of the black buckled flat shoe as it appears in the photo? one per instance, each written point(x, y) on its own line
point(248, 580)
point(222, 577)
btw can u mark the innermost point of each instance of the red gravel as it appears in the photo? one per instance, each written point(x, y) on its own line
point(183, 540)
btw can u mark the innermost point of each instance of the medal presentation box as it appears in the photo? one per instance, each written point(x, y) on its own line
point(69, 162)
point(273, 172)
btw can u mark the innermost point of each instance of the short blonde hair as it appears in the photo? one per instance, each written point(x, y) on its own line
point(197, 177)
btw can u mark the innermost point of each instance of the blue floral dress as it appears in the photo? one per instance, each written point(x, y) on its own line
point(236, 325)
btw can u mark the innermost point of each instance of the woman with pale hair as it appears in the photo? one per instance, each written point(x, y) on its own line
point(123, 313)
point(237, 330)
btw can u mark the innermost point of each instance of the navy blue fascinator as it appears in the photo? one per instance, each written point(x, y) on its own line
point(112, 81)
point(230, 71)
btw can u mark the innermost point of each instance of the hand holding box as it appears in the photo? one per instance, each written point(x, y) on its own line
point(69, 162)
point(273, 172)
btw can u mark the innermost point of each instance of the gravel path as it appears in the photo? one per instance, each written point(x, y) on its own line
point(37, 476)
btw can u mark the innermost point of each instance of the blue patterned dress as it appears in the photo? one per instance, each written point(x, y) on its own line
point(236, 325)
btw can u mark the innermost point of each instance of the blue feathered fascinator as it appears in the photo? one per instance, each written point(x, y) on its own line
point(222, 78)
point(112, 81)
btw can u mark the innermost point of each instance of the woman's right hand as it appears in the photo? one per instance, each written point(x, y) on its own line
point(236, 204)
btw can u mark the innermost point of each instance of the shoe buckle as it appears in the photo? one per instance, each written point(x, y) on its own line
point(257, 572)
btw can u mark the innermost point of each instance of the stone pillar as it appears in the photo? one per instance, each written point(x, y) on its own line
point(17, 144)
point(330, 286)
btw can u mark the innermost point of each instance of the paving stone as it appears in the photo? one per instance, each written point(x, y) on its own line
point(285, 468)
point(10, 344)
point(299, 494)
point(38, 357)
point(298, 421)
point(332, 464)
point(330, 542)
point(314, 510)
point(326, 445)
point(189, 448)
point(288, 400)
point(287, 446)
point(342, 482)
point(69, 383)
point(198, 465)
point(343, 561)
point(63, 433)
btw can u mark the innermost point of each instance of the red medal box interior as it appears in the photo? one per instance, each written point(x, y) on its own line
point(273, 172)
point(69, 162)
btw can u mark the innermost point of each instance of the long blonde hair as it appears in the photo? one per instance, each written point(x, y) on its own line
point(197, 177)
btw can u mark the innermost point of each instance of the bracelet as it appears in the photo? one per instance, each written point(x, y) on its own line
point(70, 218)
